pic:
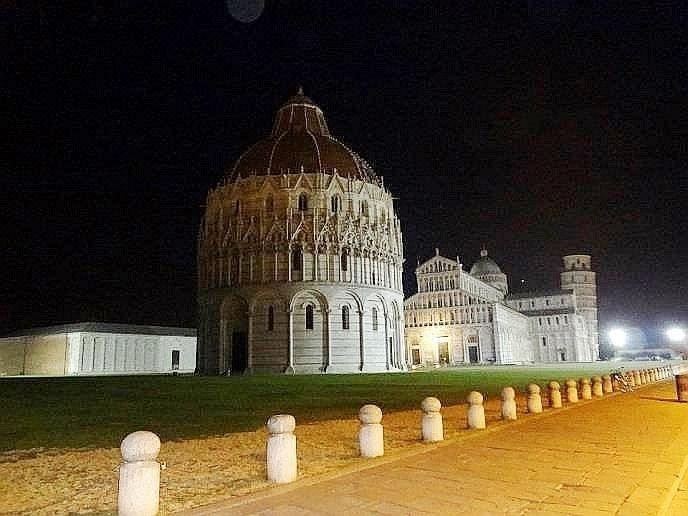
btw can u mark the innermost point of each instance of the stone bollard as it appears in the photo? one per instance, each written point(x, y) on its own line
point(643, 377)
point(607, 386)
point(370, 436)
point(636, 378)
point(508, 403)
point(572, 391)
point(682, 387)
point(554, 394)
point(431, 424)
point(586, 392)
point(476, 412)
point(281, 456)
point(631, 378)
point(597, 387)
point(534, 399)
point(139, 475)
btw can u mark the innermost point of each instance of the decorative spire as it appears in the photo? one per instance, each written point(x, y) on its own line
point(483, 251)
point(300, 92)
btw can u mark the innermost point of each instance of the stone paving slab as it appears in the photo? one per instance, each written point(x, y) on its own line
point(623, 454)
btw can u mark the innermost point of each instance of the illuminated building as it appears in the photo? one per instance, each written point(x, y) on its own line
point(300, 258)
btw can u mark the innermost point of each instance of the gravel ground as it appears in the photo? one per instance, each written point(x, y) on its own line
point(197, 472)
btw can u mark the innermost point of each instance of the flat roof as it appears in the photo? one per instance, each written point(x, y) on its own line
point(541, 293)
point(98, 327)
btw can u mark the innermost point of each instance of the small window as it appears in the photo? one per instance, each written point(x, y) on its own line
point(334, 203)
point(549, 321)
point(269, 205)
point(544, 341)
point(532, 304)
point(556, 319)
point(303, 202)
point(271, 318)
point(374, 319)
point(547, 302)
point(566, 320)
point(344, 259)
point(309, 317)
point(237, 207)
point(364, 208)
point(562, 300)
point(296, 259)
point(175, 359)
point(345, 318)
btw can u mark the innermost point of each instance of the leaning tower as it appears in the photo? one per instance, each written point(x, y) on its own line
point(578, 276)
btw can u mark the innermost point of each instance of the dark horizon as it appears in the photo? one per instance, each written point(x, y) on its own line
point(536, 132)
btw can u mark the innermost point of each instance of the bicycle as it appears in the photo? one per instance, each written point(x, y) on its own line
point(620, 377)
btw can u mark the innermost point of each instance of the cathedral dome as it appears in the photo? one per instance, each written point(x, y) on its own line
point(300, 141)
point(485, 265)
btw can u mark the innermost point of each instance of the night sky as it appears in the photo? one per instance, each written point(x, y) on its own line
point(541, 130)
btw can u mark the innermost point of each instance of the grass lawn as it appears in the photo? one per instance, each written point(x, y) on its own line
point(99, 411)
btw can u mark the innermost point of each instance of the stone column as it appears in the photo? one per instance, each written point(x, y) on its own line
point(607, 387)
point(586, 392)
point(597, 387)
point(534, 399)
point(476, 411)
point(572, 391)
point(139, 475)
point(431, 423)
point(509, 403)
point(328, 359)
point(554, 394)
point(361, 339)
point(290, 357)
point(370, 435)
point(281, 450)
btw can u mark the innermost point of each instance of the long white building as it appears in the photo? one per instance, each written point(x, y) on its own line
point(98, 349)
point(460, 317)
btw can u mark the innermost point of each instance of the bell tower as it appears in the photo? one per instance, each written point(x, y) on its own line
point(578, 276)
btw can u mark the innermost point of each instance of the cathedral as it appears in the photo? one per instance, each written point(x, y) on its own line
point(459, 317)
point(300, 258)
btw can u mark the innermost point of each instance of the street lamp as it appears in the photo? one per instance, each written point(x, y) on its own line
point(675, 334)
point(618, 337)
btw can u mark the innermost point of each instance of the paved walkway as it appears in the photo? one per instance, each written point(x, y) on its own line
point(625, 454)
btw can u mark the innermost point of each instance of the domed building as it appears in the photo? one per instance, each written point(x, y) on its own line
point(487, 271)
point(300, 258)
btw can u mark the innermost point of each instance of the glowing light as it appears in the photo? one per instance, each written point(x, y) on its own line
point(676, 334)
point(618, 337)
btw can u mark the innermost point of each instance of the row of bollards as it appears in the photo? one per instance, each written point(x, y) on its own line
point(139, 474)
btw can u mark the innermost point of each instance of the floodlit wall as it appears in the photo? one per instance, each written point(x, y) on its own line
point(33, 355)
point(85, 353)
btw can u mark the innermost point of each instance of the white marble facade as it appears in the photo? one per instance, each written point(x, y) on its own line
point(300, 258)
point(459, 317)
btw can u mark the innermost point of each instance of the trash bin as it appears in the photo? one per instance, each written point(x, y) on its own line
point(682, 387)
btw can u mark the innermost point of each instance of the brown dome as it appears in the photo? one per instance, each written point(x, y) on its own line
point(300, 141)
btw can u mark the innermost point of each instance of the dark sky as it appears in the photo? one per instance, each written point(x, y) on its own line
point(540, 130)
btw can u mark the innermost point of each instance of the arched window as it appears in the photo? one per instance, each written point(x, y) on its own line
point(303, 202)
point(296, 259)
point(271, 318)
point(374, 319)
point(345, 318)
point(237, 207)
point(309, 317)
point(344, 259)
point(269, 205)
point(364, 208)
point(334, 202)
